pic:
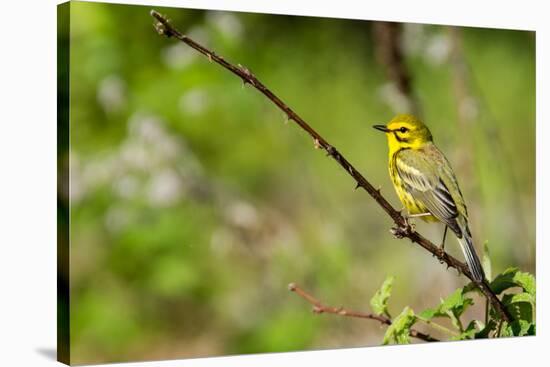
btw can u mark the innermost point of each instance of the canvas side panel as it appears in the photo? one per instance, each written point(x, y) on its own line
point(63, 266)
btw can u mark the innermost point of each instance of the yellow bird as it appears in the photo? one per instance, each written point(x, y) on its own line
point(426, 184)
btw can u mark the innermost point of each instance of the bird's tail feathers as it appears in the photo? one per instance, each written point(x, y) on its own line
point(467, 245)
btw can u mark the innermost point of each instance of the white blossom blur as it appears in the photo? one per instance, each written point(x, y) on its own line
point(149, 164)
point(178, 56)
point(433, 47)
point(438, 49)
point(390, 95)
point(164, 188)
point(111, 94)
point(194, 102)
point(226, 23)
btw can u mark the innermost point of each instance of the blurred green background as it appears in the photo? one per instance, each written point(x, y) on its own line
point(193, 204)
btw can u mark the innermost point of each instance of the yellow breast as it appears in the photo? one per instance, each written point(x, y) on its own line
point(412, 205)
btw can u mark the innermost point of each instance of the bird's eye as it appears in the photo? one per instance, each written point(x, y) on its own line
point(403, 129)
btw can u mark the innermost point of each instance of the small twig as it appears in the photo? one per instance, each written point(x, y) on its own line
point(402, 227)
point(319, 308)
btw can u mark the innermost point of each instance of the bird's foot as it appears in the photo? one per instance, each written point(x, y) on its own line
point(403, 229)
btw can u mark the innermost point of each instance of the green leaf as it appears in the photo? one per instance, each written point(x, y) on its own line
point(504, 280)
point(520, 306)
point(429, 313)
point(398, 332)
point(451, 307)
point(486, 262)
point(456, 303)
point(518, 328)
point(379, 302)
point(506, 330)
point(521, 297)
point(471, 288)
point(527, 282)
point(468, 333)
point(512, 277)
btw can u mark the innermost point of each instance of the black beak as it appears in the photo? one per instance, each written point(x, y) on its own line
point(381, 128)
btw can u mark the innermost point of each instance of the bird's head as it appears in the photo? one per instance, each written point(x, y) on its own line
point(405, 131)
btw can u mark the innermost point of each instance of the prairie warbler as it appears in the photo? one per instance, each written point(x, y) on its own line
point(426, 184)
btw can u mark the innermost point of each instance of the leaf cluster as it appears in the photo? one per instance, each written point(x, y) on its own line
point(516, 289)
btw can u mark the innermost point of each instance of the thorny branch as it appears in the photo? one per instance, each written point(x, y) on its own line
point(319, 308)
point(402, 227)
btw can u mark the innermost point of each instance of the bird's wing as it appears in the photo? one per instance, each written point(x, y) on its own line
point(422, 178)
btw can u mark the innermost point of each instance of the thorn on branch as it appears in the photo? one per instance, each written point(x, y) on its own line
point(357, 185)
point(331, 151)
point(245, 82)
point(440, 257)
point(247, 76)
point(440, 254)
point(162, 30)
point(286, 118)
point(316, 144)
